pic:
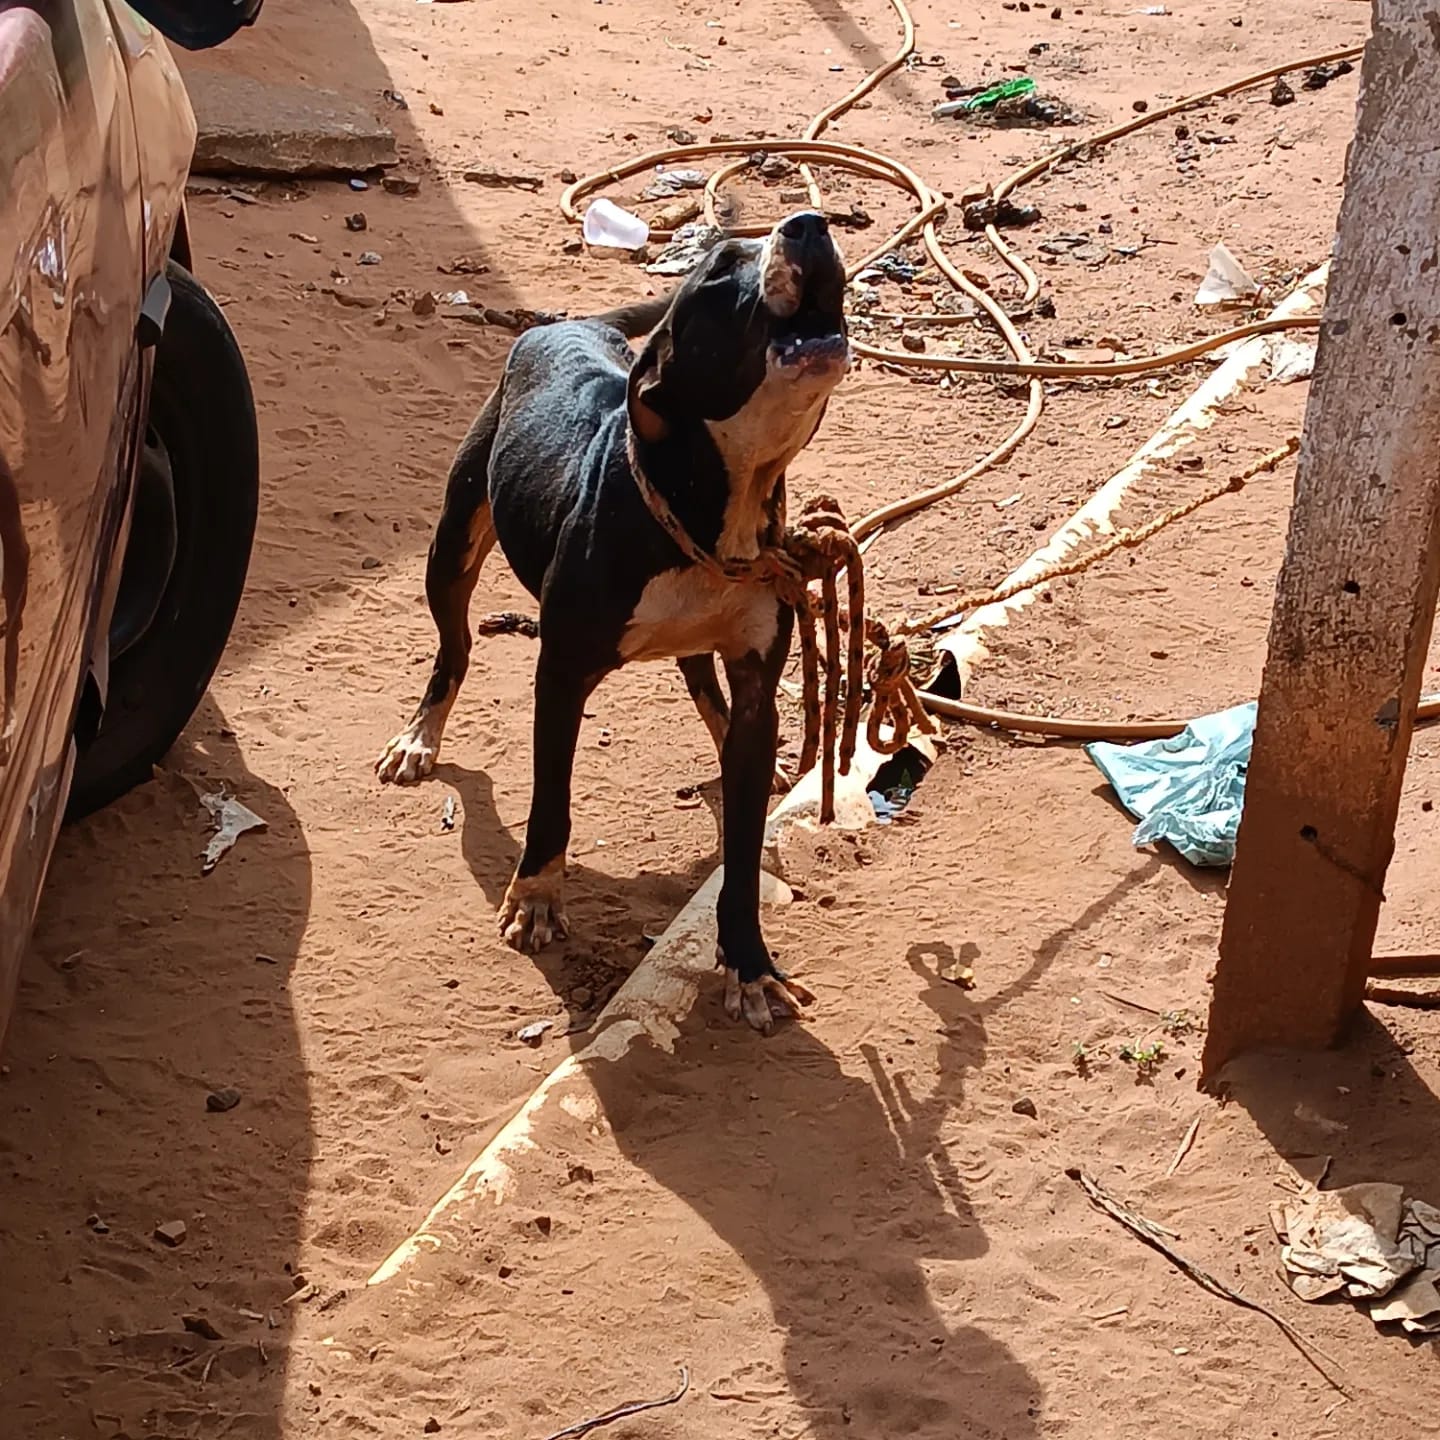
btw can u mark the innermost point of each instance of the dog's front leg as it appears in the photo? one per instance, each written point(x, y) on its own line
point(533, 910)
point(754, 988)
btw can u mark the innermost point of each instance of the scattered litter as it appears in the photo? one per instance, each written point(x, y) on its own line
point(1006, 90)
point(670, 183)
point(1368, 1242)
point(447, 816)
point(356, 183)
point(1291, 359)
point(606, 224)
point(232, 820)
point(1156, 1237)
point(1225, 282)
point(500, 180)
point(1322, 75)
point(1010, 500)
point(464, 265)
point(534, 1034)
point(1003, 214)
point(1189, 789)
point(1281, 92)
point(1151, 10)
point(217, 1102)
point(687, 248)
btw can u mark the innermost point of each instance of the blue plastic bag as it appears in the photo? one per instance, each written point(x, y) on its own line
point(1188, 790)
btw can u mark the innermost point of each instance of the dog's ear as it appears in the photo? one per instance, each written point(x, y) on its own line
point(645, 398)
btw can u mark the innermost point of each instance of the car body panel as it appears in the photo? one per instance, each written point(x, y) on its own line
point(91, 193)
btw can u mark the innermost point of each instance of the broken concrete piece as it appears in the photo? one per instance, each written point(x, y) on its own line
point(251, 127)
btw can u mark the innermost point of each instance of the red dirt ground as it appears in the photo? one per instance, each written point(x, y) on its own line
point(844, 1230)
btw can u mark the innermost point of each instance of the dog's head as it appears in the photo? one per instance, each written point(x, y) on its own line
point(750, 348)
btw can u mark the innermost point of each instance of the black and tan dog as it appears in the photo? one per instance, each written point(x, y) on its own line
point(730, 385)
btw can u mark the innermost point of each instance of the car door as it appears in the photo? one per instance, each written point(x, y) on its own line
point(70, 286)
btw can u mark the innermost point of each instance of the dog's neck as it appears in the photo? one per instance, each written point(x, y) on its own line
point(730, 510)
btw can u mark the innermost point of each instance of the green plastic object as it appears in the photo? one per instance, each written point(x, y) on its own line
point(1005, 90)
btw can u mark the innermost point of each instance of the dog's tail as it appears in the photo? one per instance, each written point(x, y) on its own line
point(638, 319)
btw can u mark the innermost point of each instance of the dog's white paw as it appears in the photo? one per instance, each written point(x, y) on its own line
point(410, 756)
point(532, 914)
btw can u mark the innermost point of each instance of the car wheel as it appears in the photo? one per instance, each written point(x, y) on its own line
point(193, 522)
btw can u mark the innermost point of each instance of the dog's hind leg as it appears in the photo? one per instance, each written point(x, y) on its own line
point(704, 686)
point(464, 536)
point(533, 910)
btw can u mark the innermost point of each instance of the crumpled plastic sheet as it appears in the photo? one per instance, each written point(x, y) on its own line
point(1368, 1242)
point(231, 820)
point(1189, 789)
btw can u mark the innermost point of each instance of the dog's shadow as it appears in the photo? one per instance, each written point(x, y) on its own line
point(610, 915)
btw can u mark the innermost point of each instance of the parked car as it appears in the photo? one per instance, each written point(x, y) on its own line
point(129, 464)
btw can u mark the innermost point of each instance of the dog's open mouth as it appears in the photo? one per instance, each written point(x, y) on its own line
point(812, 342)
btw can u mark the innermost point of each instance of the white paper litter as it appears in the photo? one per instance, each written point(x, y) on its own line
point(232, 820)
point(1226, 281)
point(1369, 1242)
point(1291, 360)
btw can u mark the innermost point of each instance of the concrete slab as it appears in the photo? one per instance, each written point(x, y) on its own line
point(251, 127)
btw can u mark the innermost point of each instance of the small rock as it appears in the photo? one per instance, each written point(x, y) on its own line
point(357, 221)
point(401, 185)
point(219, 1101)
point(303, 238)
point(368, 257)
point(97, 1224)
point(172, 1232)
point(581, 996)
point(1139, 106)
point(544, 1224)
point(370, 562)
point(568, 176)
point(1025, 1106)
point(1281, 93)
point(1182, 132)
point(534, 1034)
point(432, 1426)
point(581, 1175)
point(573, 246)
point(436, 109)
point(679, 136)
point(199, 1325)
point(914, 343)
point(1045, 307)
point(505, 1271)
point(423, 304)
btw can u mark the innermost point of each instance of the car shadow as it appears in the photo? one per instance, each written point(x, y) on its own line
point(149, 987)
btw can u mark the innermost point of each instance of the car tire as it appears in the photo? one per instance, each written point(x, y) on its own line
point(202, 427)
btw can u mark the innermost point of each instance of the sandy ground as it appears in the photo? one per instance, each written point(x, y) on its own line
point(846, 1230)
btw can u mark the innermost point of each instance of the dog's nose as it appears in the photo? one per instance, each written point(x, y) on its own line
point(804, 229)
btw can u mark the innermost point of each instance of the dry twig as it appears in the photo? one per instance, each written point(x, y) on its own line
point(621, 1412)
point(1149, 1232)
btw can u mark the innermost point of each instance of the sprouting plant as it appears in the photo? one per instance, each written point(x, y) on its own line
point(1080, 1058)
point(1144, 1056)
point(1179, 1022)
